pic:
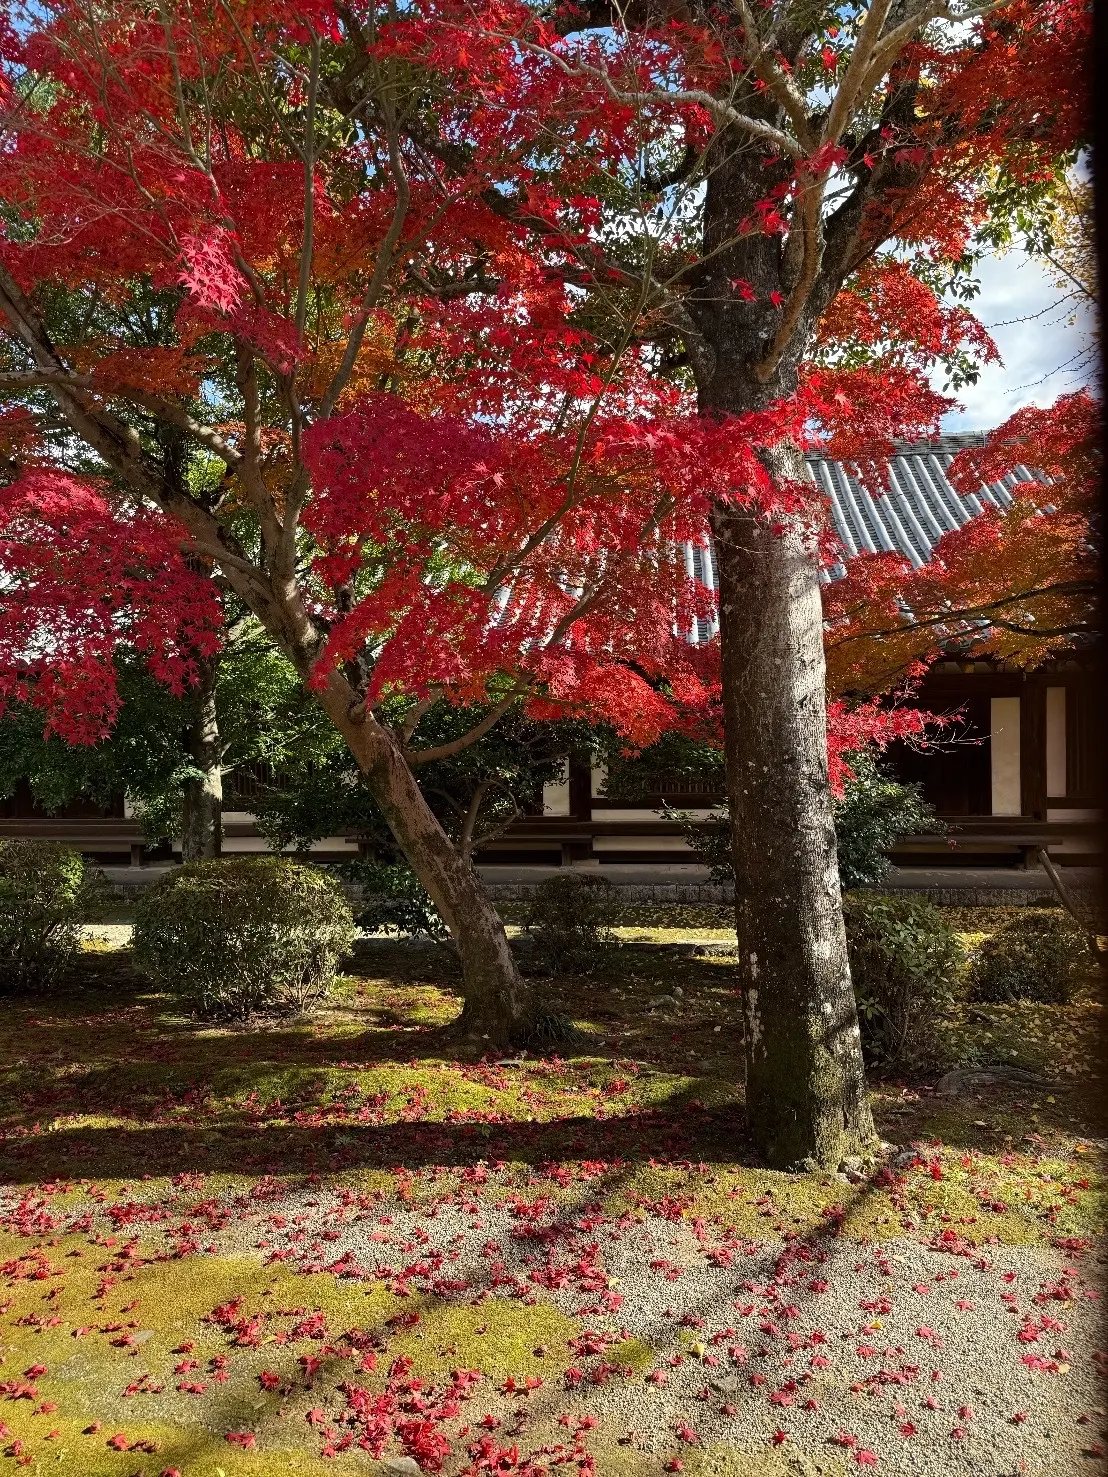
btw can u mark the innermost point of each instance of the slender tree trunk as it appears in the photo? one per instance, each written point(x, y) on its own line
point(499, 1007)
point(202, 800)
point(805, 1084)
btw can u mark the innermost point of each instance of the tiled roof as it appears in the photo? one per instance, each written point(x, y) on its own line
point(920, 505)
point(910, 518)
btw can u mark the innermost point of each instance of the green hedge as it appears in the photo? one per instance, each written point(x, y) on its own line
point(905, 962)
point(1041, 954)
point(46, 892)
point(241, 937)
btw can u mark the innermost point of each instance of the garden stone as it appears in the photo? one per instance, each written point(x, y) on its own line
point(964, 1080)
point(401, 1466)
point(727, 1384)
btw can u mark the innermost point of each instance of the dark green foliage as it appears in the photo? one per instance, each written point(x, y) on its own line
point(1040, 955)
point(394, 898)
point(691, 763)
point(242, 937)
point(569, 921)
point(263, 714)
point(479, 791)
point(904, 961)
point(871, 815)
point(709, 841)
point(308, 801)
point(46, 892)
point(146, 753)
point(550, 1031)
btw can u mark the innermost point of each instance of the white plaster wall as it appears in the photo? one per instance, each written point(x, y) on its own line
point(257, 845)
point(1004, 733)
point(555, 793)
point(1056, 741)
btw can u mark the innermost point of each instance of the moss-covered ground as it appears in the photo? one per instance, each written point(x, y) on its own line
point(173, 1301)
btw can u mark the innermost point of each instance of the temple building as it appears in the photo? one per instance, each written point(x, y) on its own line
point(1023, 774)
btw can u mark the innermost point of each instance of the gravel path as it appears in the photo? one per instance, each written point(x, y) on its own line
point(913, 1357)
point(936, 1356)
point(114, 935)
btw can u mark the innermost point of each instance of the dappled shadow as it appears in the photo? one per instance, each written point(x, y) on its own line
point(680, 1130)
point(172, 1094)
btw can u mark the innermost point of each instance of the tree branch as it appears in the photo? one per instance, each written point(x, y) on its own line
point(418, 757)
point(307, 245)
point(970, 612)
point(721, 112)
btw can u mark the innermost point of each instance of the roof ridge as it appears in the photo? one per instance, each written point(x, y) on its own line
point(949, 441)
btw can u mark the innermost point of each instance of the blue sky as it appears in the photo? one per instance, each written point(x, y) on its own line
point(1020, 306)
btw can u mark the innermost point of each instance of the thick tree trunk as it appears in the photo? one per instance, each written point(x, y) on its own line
point(805, 1084)
point(499, 1007)
point(202, 800)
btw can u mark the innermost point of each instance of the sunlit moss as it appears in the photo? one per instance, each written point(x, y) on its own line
point(633, 1354)
point(497, 1337)
point(726, 1461)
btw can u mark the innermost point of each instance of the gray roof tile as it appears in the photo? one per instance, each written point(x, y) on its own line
point(919, 506)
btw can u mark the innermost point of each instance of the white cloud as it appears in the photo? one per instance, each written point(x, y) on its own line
point(1043, 355)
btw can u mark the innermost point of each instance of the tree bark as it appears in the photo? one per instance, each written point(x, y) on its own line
point(499, 1007)
point(202, 799)
point(805, 1082)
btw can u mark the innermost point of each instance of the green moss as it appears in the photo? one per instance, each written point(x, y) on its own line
point(719, 1460)
point(167, 1302)
point(497, 1337)
point(195, 1452)
point(634, 1353)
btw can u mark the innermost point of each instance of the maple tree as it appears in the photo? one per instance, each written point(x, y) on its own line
point(227, 349)
point(1017, 584)
point(780, 199)
point(781, 196)
point(433, 334)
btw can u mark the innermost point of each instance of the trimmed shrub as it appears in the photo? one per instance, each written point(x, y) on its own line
point(871, 815)
point(241, 937)
point(46, 892)
point(1041, 954)
point(904, 961)
point(569, 921)
point(394, 897)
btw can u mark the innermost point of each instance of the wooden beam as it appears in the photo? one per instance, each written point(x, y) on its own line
point(580, 790)
point(1033, 751)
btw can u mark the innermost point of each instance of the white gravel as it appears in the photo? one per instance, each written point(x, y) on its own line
point(912, 1335)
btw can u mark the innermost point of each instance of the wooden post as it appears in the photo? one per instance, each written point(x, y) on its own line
point(580, 808)
point(1033, 750)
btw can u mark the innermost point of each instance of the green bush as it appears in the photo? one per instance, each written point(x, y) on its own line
point(871, 815)
point(1039, 955)
point(394, 897)
point(241, 937)
point(569, 921)
point(46, 892)
point(904, 961)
